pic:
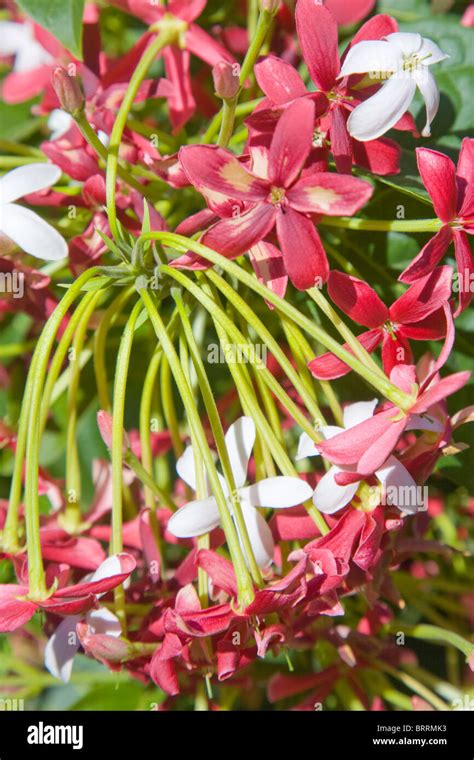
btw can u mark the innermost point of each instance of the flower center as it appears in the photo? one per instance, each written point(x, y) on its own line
point(319, 138)
point(391, 328)
point(277, 196)
point(414, 61)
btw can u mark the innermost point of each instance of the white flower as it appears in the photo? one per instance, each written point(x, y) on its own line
point(201, 516)
point(329, 497)
point(28, 230)
point(59, 122)
point(19, 40)
point(62, 647)
point(402, 59)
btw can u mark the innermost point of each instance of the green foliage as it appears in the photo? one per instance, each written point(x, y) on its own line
point(63, 18)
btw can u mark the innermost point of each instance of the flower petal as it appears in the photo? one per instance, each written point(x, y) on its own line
point(328, 367)
point(291, 142)
point(27, 179)
point(429, 256)
point(15, 611)
point(371, 56)
point(465, 178)
point(279, 80)
point(210, 168)
point(239, 441)
point(61, 649)
point(318, 36)
point(305, 258)
point(465, 264)
point(306, 447)
point(430, 92)
point(185, 467)
point(260, 535)
point(358, 412)
point(425, 296)
point(31, 233)
point(430, 52)
point(400, 488)
point(279, 492)
point(329, 193)
point(195, 518)
point(357, 299)
point(408, 42)
point(232, 237)
point(379, 113)
point(329, 497)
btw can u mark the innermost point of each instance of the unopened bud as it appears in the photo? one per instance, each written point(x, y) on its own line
point(226, 79)
point(106, 649)
point(104, 421)
point(271, 6)
point(68, 91)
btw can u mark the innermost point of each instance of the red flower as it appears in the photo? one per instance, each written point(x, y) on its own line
point(452, 191)
point(16, 608)
point(318, 35)
point(420, 314)
point(273, 193)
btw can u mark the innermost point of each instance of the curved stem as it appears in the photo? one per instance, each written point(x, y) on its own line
point(100, 339)
point(382, 225)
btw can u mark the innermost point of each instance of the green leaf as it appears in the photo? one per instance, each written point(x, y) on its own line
point(63, 18)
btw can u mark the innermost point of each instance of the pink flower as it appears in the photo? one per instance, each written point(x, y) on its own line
point(422, 313)
point(177, 58)
point(273, 194)
point(16, 608)
point(468, 16)
point(318, 35)
point(452, 191)
point(366, 446)
point(349, 13)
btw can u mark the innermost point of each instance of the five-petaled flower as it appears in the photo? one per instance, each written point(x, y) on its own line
point(452, 192)
point(201, 516)
point(274, 191)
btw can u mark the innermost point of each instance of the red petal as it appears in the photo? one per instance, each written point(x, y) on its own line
point(465, 264)
point(440, 390)
point(429, 256)
point(279, 80)
point(329, 367)
point(181, 101)
point(465, 178)
point(215, 170)
point(127, 566)
point(379, 156)
point(291, 142)
point(350, 12)
point(318, 36)
point(341, 141)
point(328, 193)
point(439, 177)
point(305, 258)
point(375, 28)
point(395, 350)
point(269, 266)
point(357, 299)
point(14, 612)
point(220, 570)
point(426, 295)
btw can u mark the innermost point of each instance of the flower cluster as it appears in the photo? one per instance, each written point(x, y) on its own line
point(204, 174)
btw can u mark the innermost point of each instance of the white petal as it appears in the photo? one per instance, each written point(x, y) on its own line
point(279, 492)
point(31, 233)
point(109, 567)
point(408, 42)
point(59, 123)
point(379, 113)
point(399, 486)
point(424, 422)
point(329, 431)
point(27, 179)
point(13, 37)
point(372, 56)
point(329, 497)
point(185, 467)
point(61, 648)
point(358, 412)
point(260, 535)
point(306, 447)
point(195, 519)
point(104, 621)
point(429, 90)
point(431, 53)
point(239, 441)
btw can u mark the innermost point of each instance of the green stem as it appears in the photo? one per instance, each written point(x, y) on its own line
point(100, 341)
point(244, 583)
point(218, 433)
point(382, 225)
point(165, 37)
point(120, 389)
point(182, 244)
point(30, 430)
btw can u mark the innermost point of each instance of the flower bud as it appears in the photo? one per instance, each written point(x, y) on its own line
point(104, 421)
point(226, 79)
point(107, 649)
point(271, 6)
point(68, 91)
